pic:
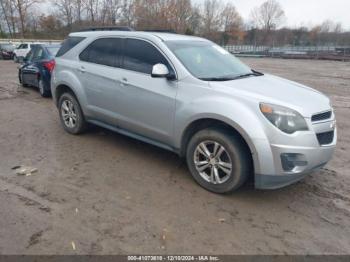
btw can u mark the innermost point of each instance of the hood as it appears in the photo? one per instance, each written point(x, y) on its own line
point(279, 91)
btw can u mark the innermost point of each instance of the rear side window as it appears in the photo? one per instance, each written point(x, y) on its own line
point(104, 51)
point(141, 56)
point(52, 50)
point(38, 54)
point(68, 44)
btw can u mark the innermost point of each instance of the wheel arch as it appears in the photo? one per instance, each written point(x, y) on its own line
point(60, 90)
point(208, 122)
point(203, 123)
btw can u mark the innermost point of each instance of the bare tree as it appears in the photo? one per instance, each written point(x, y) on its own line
point(127, 16)
point(78, 6)
point(232, 23)
point(4, 15)
point(110, 11)
point(179, 13)
point(22, 8)
point(231, 19)
point(211, 19)
point(92, 7)
point(269, 16)
point(7, 12)
point(66, 9)
point(194, 22)
point(151, 14)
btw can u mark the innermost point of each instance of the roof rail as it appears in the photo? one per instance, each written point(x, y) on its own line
point(160, 31)
point(106, 28)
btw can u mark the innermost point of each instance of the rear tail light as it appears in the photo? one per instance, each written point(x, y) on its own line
point(50, 65)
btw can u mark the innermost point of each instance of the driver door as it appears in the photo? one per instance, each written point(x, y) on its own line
point(147, 104)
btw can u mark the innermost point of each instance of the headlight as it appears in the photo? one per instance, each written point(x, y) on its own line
point(285, 119)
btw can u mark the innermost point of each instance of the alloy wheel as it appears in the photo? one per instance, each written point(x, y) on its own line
point(68, 113)
point(213, 162)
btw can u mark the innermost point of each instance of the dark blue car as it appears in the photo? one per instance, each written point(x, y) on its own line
point(37, 68)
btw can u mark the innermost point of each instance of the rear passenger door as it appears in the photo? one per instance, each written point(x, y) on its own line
point(100, 76)
point(146, 104)
point(31, 71)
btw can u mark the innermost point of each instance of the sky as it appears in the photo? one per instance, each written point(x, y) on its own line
point(303, 12)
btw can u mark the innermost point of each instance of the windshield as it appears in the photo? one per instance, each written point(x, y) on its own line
point(8, 47)
point(208, 61)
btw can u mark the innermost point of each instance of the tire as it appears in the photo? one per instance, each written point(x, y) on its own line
point(15, 59)
point(78, 125)
point(224, 179)
point(44, 92)
point(20, 80)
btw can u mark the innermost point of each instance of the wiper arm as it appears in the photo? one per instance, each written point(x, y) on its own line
point(217, 79)
point(254, 73)
point(230, 78)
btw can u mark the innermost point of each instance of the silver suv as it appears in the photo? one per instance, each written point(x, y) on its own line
point(190, 96)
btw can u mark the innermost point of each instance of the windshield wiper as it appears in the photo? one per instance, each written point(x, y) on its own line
point(230, 78)
point(254, 73)
point(217, 79)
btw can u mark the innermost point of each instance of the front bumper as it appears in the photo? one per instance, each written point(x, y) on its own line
point(304, 152)
point(316, 159)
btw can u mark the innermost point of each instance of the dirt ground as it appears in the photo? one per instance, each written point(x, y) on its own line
point(104, 193)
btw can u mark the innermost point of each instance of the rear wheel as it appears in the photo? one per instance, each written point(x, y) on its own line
point(43, 90)
point(218, 160)
point(71, 115)
point(20, 79)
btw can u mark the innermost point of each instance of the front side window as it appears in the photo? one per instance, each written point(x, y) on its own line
point(206, 60)
point(105, 51)
point(141, 56)
point(23, 46)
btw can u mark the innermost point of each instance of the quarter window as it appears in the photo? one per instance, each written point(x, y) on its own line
point(141, 56)
point(68, 44)
point(105, 51)
point(38, 54)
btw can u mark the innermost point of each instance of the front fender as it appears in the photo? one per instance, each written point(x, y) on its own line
point(243, 118)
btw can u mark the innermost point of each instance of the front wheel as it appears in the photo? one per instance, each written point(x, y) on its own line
point(218, 160)
point(71, 115)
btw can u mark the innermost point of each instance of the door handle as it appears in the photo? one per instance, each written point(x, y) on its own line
point(82, 69)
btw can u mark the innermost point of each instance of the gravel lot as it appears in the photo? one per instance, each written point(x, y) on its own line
point(109, 194)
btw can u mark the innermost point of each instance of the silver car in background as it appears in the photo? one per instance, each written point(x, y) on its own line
point(190, 96)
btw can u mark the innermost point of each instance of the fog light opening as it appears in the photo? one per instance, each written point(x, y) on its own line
point(290, 161)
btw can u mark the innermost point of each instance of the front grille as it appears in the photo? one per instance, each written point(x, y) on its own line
point(325, 138)
point(322, 116)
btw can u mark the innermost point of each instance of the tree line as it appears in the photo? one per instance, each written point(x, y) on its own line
point(214, 19)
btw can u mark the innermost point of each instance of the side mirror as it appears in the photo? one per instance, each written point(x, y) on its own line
point(160, 71)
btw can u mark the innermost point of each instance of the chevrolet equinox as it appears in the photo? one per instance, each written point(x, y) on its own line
point(189, 95)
